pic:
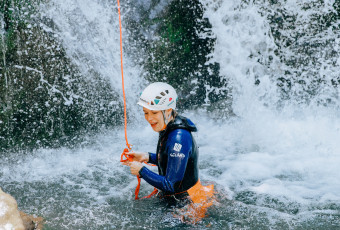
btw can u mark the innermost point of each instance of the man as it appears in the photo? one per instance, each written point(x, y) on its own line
point(177, 152)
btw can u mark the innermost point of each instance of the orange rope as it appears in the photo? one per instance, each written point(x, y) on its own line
point(121, 64)
point(128, 149)
point(130, 158)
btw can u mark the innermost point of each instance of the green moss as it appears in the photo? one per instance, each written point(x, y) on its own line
point(179, 54)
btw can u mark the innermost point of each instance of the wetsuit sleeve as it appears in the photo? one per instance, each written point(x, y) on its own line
point(178, 149)
point(152, 158)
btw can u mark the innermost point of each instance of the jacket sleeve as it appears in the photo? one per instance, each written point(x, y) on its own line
point(152, 158)
point(178, 149)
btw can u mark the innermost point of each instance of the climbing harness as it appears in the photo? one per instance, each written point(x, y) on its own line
point(125, 157)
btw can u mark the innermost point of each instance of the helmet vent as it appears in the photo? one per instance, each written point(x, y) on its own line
point(158, 96)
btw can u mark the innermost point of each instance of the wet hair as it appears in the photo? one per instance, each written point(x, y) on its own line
point(174, 113)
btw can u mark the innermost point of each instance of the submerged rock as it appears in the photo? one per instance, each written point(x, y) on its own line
point(9, 213)
point(31, 222)
point(13, 219)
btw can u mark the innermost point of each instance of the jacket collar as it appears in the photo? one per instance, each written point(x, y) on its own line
point(179, 122)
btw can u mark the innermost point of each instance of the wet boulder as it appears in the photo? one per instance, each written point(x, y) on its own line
point(9, 213)
point(31, 222)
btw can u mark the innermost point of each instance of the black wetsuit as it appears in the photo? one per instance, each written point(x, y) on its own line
point(176, 158)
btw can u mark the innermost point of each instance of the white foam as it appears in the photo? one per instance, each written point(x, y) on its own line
point(89, 32)
point(290, 151)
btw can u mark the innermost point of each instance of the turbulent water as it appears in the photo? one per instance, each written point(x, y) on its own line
point(274, 163)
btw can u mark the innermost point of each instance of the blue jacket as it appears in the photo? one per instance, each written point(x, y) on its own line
point(176, 158)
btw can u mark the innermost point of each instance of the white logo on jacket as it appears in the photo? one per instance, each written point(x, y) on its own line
point(180, 155)
point(177, 147)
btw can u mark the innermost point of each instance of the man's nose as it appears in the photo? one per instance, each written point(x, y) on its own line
point(148, 117)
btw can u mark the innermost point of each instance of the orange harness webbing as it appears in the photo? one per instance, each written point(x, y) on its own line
point(128, 146)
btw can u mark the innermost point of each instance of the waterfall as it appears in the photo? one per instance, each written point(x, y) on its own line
point(264, 98)
point(279, 145)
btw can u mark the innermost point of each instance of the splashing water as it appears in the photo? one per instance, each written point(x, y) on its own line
point(88, 30)
point(272, 155)
point(274, 163)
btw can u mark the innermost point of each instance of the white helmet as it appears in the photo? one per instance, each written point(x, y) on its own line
point(158, 96)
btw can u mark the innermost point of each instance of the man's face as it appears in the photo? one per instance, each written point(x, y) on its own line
point(155, 118)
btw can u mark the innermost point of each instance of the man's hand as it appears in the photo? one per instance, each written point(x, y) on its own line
point(135, 167)
point(139, 157)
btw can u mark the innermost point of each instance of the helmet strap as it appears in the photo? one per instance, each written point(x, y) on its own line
point(166, 119)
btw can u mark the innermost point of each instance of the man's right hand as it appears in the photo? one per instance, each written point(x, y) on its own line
point(139, 157)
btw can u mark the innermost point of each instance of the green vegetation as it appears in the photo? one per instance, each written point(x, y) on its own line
point(178, 54)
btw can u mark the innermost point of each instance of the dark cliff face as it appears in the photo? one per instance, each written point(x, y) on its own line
point(176, 42)
point(306, 44)
point(44, 99)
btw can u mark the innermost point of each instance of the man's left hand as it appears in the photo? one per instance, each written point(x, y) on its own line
point(135, 167)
